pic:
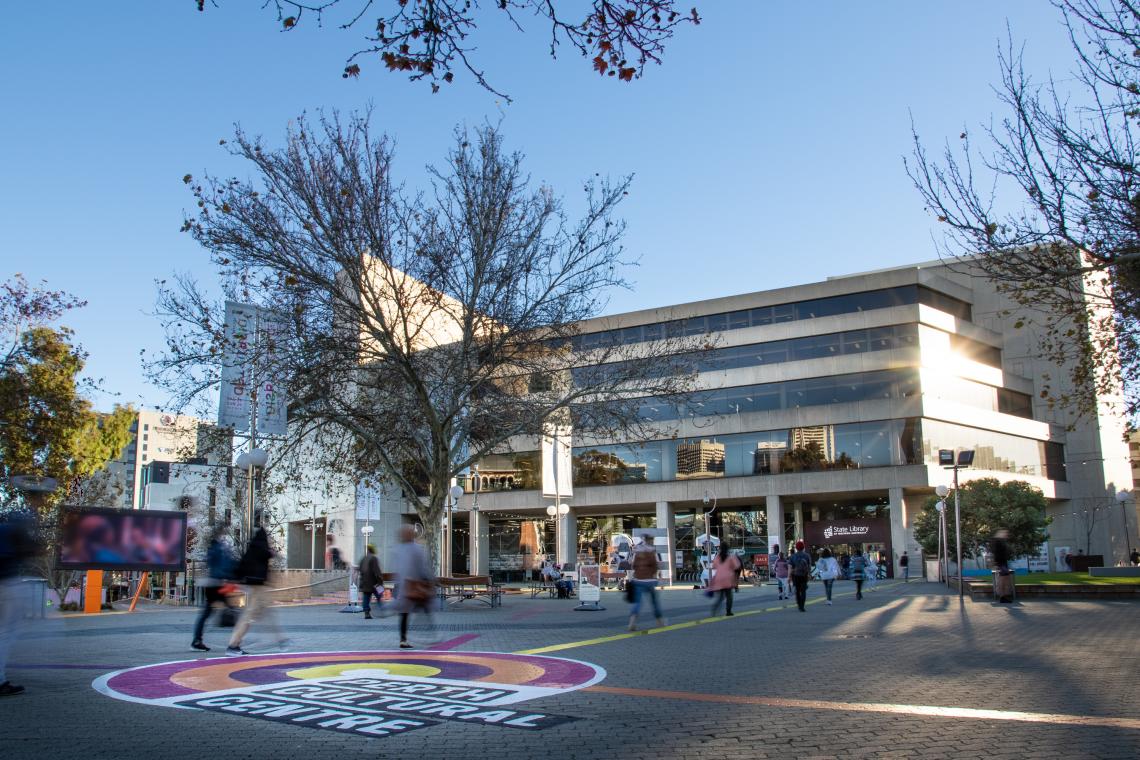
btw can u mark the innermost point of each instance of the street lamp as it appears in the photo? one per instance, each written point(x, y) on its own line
point(943, 543)
point(557, 511)
point(948, 461)
point(251, 460)
point(1124, 497)
point(709, 496)
point(449, 511)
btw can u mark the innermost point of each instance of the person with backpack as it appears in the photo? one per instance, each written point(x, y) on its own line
point(725, 566)
point(219, 568)
point(828, 570)
point(17, 545)
point(800, 570)
point(253, 572)
point(781, 568)
point(858, 571)
point(904, 563)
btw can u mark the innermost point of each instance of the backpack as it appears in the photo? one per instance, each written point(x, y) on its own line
point(801, 566)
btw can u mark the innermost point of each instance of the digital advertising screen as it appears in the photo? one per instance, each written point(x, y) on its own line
point(94, 538)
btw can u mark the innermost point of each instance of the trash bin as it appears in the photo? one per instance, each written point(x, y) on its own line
point(932, 570)
point(1005, 590)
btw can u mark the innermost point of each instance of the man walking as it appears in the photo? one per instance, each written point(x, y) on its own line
point(645, 581)
point(800, 570)
point(370, 581)
point(253, 571)
point(858, 569)
point(904, 563)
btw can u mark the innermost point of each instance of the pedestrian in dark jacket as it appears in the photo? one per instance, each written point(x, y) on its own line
point(219, 568)
point(253, 572)
point(370, 581)
point(858, 570)
point(800, 564)
point(17, 546)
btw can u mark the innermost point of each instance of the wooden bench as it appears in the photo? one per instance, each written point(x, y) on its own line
point(613, 580)
point(464, 588)
point(538, 588)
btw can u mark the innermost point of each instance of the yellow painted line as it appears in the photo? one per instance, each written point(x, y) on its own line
point(935, 711)
point(671, 627)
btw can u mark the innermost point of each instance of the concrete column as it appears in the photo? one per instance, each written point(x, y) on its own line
point(799, 510)
point(775, 522)
point(567, 549)
point(901, 532)
point(666, 520)
point(480, 543)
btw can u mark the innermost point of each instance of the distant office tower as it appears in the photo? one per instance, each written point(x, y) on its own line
point(703, 459)
point(823, 435)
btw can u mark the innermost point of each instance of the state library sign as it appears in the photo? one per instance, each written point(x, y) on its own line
point(869, 531)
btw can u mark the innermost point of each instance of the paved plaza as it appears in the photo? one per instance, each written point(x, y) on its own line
point(857, 679)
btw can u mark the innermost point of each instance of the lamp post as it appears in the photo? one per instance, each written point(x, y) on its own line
point(943, 544)
point(709, 496)
point(249, 461)
point(449, 511)
point(1123, 497)
point(557, 511)
point(473, 522)
point(964, 459)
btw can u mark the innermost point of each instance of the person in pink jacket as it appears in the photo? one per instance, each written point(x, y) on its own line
point(781, 570)
point(725, 566)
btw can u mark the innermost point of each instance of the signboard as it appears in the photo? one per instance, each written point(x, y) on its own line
point(94, 538)
point(367, 502)
point(871, 530)
point(371, 694)
point(557, 471)
point(589, 583)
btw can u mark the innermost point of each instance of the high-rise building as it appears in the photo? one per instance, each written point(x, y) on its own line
point(702, 459)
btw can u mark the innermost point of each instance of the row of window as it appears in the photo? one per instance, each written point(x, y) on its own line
point(767, 315)
point(805, 449)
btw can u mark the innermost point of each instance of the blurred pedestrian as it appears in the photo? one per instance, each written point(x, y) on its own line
point(858, 570)
point(800, 572)
point(872, 573)
point(219, 568)
point(645, 581)
point(253, 573)
point(828, 570)
point(370, 581)
point(333, 559)
point(17, 545)
point(999, 548)
point(415, 581)
point(781, 569)
point(904, 563)
point(725, 566)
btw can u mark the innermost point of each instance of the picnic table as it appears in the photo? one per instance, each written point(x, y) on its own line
point(462, 588)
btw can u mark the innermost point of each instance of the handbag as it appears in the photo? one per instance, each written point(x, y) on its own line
point(229, 618)
point(629, 594)
point(417, 591)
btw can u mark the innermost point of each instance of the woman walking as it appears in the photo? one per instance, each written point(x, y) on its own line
point(416, 581)
point(645, 581)
point(828, 570)
point(725, 566)
point(858, 570)
point(781, 569)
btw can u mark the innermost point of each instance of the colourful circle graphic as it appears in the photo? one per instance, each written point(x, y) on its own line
point(190, 677)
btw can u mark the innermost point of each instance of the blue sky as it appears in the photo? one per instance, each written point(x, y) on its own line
point(767, 149)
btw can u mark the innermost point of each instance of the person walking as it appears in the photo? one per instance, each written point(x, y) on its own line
point(17, 545)
point(415, 581)
point(872, 573)
point(904, 563)
point(219, 568)
point(253, 572)
point(858, 569)
point(370, 581)
point(781, 569)
point(725, 566)
point(828, 570)
point(800, 571)
point(645, 581)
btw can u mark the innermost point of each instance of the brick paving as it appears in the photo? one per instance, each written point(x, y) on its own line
point(910, 644)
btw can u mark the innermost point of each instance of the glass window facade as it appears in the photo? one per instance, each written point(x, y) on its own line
point(791, 394)
point(995, 451)
point(768, 315)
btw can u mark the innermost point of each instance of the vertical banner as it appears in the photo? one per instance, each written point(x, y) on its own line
point(253, 337)
point(557, 471)
point(589, 583)
point(237, 358)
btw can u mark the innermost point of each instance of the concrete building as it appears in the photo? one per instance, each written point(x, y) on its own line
point(825, 405)
point(162, 437)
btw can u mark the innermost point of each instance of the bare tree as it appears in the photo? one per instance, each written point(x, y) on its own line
point(1068, 251)
point(431, 39)
point(424, 330)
